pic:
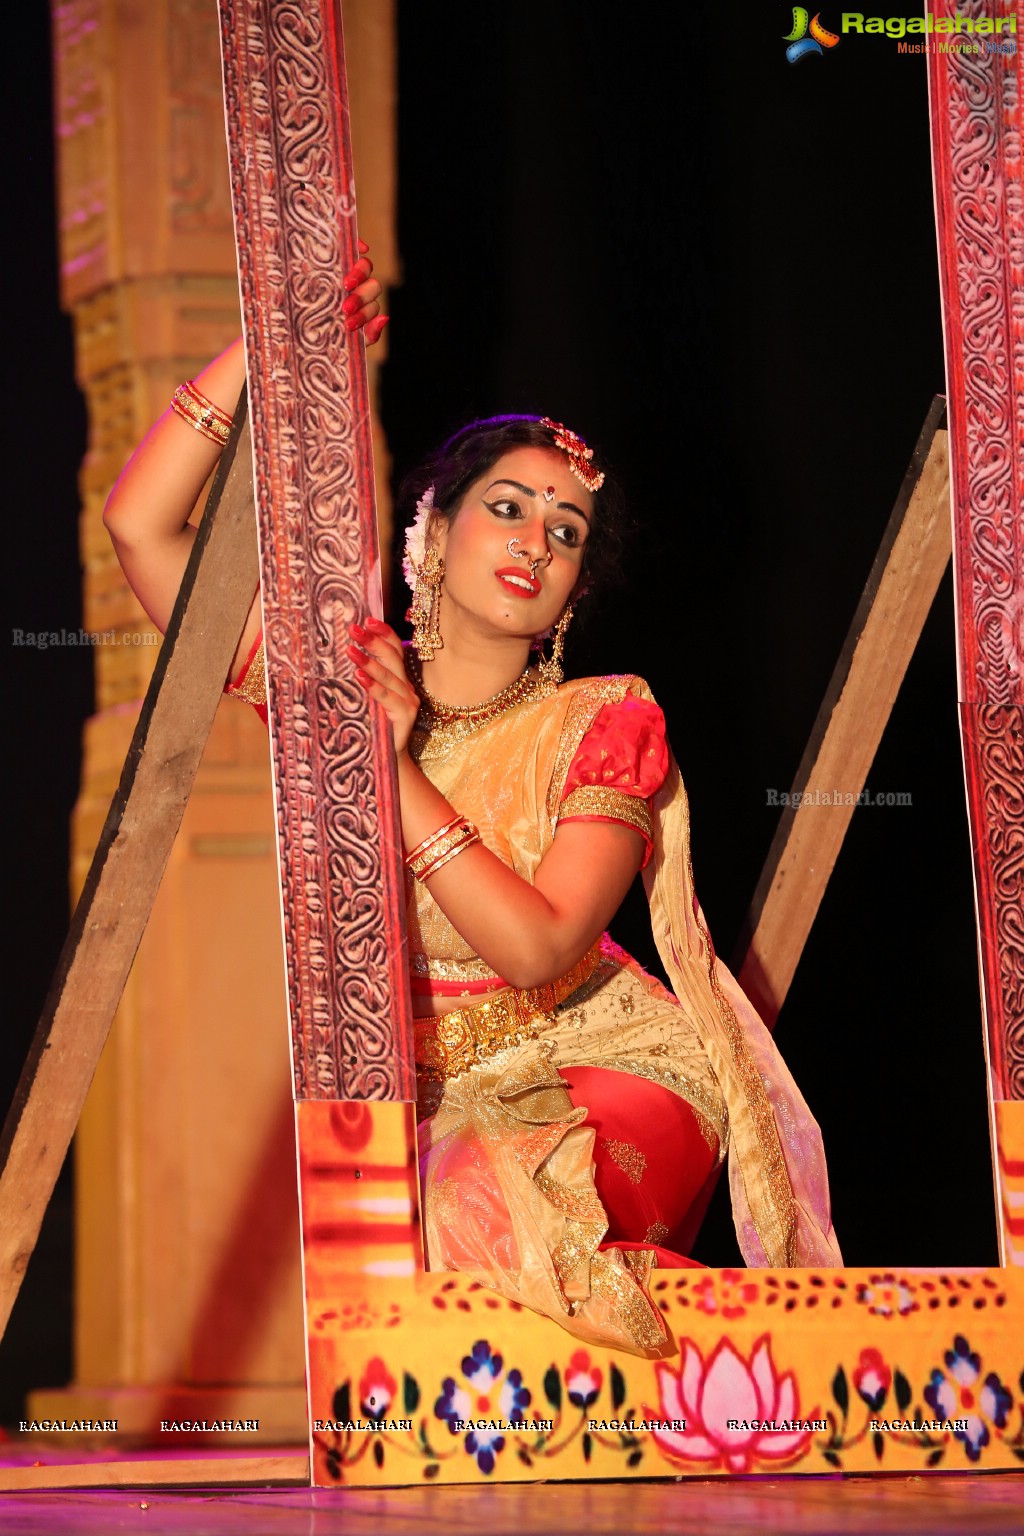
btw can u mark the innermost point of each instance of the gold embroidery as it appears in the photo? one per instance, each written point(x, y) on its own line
point(628, 1157)
point(452, 1042)
point(598, 800)
point(444, 1202)
point(253, 687)
point(640, 1262)
point(656, 1233)
point(627, 1005)
point(583, 710)
point(577, 1248)
point(451, 970)
point(577, 1204)
point(637, 1314)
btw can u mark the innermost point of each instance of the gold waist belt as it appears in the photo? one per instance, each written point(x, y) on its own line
point(452, 1042)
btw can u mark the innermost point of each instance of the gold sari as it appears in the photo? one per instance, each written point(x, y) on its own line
point(506, 1164)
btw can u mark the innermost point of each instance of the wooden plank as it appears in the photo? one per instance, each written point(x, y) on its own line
point(159, 1472)
point(900, 589)
point(335, 786)
point(130, 858)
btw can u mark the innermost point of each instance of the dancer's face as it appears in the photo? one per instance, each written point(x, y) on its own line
point(529, 496)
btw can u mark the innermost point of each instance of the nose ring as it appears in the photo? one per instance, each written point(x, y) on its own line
point(520, 554)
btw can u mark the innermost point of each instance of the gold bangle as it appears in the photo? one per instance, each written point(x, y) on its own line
point(193, 407)
point(428, 842)
point(445, 844)
point(465, 841)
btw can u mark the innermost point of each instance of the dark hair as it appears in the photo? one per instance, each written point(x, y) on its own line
point(470, 453)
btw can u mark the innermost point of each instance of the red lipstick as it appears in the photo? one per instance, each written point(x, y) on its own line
point(516, 586)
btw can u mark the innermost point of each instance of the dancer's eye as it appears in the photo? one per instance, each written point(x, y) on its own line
point(505, 508)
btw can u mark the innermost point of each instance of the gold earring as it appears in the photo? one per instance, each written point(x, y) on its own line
point(550, 669)
point(425, 610)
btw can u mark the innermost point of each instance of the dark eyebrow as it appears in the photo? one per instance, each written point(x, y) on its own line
point(563, 506)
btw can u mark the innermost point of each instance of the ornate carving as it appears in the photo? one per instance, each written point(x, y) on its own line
point(976, 137)
point(336, 800)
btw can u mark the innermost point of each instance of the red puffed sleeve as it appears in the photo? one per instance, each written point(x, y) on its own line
point(251, 682)
point(620, 763)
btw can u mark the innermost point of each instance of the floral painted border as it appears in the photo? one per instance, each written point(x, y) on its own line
point(722, 1406)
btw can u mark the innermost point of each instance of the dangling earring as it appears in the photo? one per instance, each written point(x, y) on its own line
point(425, 609)
point(550, 668)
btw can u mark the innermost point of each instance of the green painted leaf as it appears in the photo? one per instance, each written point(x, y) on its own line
point(832, 1458)
point(935, 1457)
point(588, 1446)
point(618, 1382)
point(410, 1394)
point(378, 1452)
point(840, 1390)
point(553, 1386)
point(341, 1407)
point(878, 1443)
point(901, 1386)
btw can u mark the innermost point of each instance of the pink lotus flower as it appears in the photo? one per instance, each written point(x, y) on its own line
point(728, 1390)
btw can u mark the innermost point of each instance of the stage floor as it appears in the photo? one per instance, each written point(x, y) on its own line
point(806, 1506)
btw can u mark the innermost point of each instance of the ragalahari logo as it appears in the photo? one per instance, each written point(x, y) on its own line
point(800, 43)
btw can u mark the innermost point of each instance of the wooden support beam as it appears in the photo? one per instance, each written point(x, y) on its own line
point(133, 850)
point(900, 589)
point(149, 1471)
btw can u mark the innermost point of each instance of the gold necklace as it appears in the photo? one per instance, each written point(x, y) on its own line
point(448, 723)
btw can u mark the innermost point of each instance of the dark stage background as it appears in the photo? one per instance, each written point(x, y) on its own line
point(721, 269)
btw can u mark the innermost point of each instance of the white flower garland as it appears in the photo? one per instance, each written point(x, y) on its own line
point(416, 539)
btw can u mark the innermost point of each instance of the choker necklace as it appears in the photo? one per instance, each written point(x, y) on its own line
point(453, 722)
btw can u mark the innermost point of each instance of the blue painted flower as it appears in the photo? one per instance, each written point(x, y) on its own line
point(480, 1408)
point(954, 1394)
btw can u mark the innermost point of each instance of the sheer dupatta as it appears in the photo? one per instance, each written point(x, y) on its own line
point(777, 1175)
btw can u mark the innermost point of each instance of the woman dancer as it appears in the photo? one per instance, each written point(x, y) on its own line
point(572, 1109)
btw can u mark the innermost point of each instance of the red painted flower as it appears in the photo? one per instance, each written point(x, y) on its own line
point(376, 1389)
point(582, 1380)
point(730, 1293)
point(872, 1378)
point(724, 1404)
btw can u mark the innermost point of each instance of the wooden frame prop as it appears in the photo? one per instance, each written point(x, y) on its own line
point(415, 1376)
point(876, 1371)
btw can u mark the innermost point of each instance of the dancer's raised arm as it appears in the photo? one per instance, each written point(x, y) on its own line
point(148, 512)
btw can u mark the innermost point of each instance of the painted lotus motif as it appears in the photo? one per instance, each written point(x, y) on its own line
point(728, 1387)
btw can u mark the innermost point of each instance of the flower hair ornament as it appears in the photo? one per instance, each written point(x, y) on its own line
point(423, 570)
point(578, 454)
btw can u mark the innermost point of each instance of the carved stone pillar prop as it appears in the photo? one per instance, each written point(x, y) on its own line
point(188, 1295)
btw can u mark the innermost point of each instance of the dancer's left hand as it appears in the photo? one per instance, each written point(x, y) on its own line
point(380, 668)
point(362, 307)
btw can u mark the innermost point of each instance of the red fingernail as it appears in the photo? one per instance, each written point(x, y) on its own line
point(351, 324)
point(356, 629)
point(376, 626)
point(350, 305)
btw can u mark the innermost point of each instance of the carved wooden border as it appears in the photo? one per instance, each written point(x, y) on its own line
point(336, 796)
point(976, 148)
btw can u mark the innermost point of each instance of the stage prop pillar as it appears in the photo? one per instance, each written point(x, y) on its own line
point(977, 119)
point(188, 1289)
